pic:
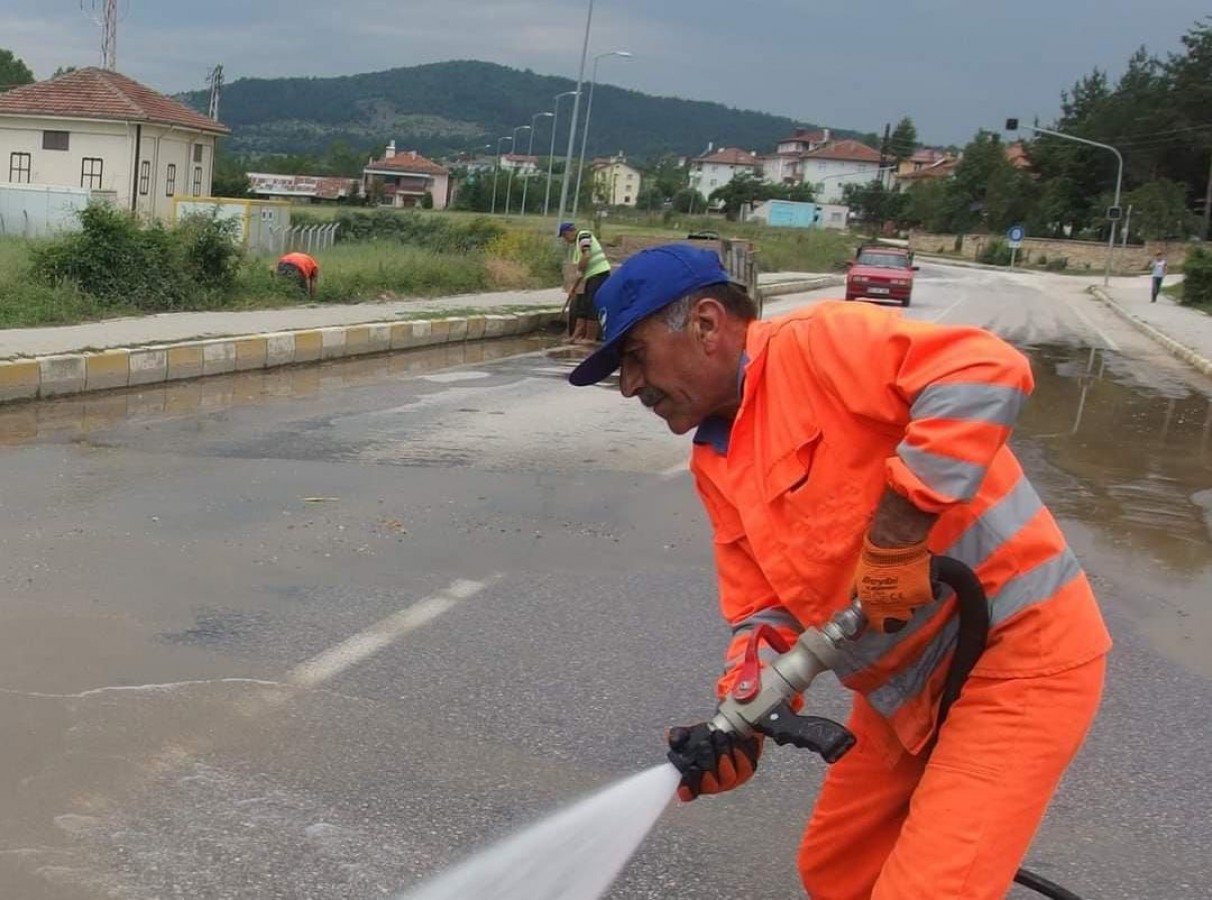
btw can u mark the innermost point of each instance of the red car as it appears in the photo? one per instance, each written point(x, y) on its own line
point(881, 273)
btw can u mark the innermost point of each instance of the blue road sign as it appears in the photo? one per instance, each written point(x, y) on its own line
point(1015, 235)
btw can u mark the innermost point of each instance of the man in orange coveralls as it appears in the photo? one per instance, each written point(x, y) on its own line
point(835, 450)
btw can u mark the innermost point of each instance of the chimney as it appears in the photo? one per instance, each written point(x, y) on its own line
point(391, 150)
point(412, 153)
point(826, 135)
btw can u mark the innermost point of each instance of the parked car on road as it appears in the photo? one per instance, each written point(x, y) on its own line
point(881, 273)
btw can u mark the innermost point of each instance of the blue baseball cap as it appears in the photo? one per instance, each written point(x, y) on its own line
point(565, 226)
point(646, 283)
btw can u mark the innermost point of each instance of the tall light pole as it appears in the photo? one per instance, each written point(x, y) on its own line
point(495, 169)
point(509, 190)
point(530, 151)
point(576, 197)
point(555, 117)
point(576, 111)
point(1012, 125)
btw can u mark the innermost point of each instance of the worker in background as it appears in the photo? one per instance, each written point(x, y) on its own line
point(590, 269)
point(300, 268)
point(835, 450)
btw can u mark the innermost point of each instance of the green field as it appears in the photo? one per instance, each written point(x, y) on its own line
point(524, 254)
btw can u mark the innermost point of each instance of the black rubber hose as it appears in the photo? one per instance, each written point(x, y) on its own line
point(970, 643)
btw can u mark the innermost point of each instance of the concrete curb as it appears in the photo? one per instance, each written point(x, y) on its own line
point(75, 373)
point(798, 287)
point(1183, 352)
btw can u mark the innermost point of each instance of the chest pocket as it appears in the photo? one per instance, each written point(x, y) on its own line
point(821, 504)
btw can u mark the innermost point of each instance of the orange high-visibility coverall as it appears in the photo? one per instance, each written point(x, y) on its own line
point(839, 402)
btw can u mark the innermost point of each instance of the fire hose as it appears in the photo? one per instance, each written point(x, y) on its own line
point(761, 701)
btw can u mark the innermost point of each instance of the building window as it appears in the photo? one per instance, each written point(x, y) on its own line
point(197, 181)
point(18, 168)
point(170, 180)
point(55, 140)
point(197, 153)
point(90, 173)
point(144, 177)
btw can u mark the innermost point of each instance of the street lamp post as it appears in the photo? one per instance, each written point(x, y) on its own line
point(509, 190)
point(576, 197)
point(1012, 125)
point(555, 117)
point(495, 170)
point(530, 151)
point(576, 111)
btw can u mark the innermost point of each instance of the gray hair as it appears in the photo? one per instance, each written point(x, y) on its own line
point(677, 313)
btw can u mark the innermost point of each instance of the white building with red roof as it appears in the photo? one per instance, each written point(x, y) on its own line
point(405, 177)
point(832, 166)
point(119, 139)
point(714, 169)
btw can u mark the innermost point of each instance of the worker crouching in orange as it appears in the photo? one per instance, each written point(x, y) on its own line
point(836, 449)
point(301, 269)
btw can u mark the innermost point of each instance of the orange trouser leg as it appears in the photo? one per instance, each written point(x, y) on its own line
point(978, 802)
point(858, 816)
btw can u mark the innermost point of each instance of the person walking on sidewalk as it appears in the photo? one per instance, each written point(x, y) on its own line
point(1158, 267)
point(836, 450)
point(592, 269)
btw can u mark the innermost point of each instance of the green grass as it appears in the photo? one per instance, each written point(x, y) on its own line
point(526, 256)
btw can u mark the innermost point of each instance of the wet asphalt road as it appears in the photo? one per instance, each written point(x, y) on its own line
point(185, 715)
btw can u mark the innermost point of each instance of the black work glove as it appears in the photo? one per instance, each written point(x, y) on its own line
point(712, 761)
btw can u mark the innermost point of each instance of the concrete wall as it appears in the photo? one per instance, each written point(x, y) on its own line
point(1130, 260)
point(40, 210)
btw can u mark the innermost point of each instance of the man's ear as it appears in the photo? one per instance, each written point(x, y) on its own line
point(707, 319)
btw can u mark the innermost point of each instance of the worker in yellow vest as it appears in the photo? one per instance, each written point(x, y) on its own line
point(592, 270)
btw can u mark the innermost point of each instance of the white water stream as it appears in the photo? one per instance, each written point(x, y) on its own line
point(575, 854)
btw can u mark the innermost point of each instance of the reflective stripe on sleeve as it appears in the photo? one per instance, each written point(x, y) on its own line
point(979, 402)
point(944, 475)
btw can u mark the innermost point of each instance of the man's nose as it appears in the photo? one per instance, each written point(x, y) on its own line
point(630, 381)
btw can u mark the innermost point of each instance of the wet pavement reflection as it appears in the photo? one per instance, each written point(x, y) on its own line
point(1138, 453)
point(72, 418)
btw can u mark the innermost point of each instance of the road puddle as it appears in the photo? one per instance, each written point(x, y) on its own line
point(73, 418)
point(1123, 454)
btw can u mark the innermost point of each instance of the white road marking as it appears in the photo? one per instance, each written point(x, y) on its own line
point(1103, 336)
point(335, 660)
point(674, 471)
point(947, 311)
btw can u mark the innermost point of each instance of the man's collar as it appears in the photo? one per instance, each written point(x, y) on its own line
point(716, 431)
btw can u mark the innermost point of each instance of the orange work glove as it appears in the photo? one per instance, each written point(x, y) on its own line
point(892, 582)
point(712, 761)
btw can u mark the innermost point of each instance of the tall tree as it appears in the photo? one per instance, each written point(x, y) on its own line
point(13, 71)
point(904, 139)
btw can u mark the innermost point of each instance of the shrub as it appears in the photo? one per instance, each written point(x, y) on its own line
point(1197, 278)
point(1057, 264)
point(995, 253)
point(120, 263)
point(418, 230)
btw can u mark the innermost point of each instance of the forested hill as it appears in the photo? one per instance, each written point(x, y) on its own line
point(460, 106)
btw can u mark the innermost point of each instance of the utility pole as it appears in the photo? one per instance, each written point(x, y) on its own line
point(1208, 202)
point(576, 112)
point(107, 18)
point(215, 80)
point(884, 148)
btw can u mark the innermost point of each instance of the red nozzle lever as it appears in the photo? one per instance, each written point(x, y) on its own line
point(750, 680)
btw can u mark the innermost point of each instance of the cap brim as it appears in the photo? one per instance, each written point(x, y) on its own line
point(598, 365)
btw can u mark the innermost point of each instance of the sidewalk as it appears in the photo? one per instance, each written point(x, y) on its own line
point(37, 363)
point(1185, 332)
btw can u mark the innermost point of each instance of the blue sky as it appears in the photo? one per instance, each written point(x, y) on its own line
point(952, 65)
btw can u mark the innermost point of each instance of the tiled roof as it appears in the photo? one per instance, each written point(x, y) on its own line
point(520, 158)
point(409, 162)
point(102, 94)
point(941, 169)
point(847, 150)
point(804, 136)
point(730, 156)
point(1016, 153)
point(927, 156)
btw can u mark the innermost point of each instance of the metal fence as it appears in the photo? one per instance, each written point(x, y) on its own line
point(305, 238)
point(740, 260)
